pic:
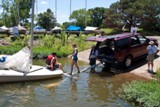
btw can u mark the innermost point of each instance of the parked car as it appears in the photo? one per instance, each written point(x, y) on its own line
point(121, 49)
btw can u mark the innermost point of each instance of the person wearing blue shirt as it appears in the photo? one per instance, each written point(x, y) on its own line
point(152, 50)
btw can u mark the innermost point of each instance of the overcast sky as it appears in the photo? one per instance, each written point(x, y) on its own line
point(63, 6)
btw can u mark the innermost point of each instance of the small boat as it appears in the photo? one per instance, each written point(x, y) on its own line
point(9, 72)
point(35, 73)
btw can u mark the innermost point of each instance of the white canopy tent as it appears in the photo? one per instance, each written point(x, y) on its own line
point(56, 28)
point(21, 28)
point(4, 29)
point(90, 28)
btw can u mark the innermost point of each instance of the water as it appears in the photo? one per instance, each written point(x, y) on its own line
point(90, 90)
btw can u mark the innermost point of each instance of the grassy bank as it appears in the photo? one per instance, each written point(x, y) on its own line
point(145, 94)
point(44, 45)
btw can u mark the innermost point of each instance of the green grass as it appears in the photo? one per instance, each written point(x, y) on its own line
point(44, 45)
point(110, 31)
point(146, 94)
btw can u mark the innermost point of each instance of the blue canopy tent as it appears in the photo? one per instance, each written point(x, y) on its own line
point(39, 29)
point(74, 28)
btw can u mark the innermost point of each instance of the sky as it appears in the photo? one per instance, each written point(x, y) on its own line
point(63, 6)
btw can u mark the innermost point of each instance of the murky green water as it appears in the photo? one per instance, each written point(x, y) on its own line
point(90, 90)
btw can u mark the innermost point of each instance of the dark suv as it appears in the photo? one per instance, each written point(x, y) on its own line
point(121, 48)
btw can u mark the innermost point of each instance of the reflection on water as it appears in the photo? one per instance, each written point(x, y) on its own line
point(90, 90)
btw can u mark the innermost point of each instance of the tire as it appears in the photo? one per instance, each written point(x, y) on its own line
point(128, 61)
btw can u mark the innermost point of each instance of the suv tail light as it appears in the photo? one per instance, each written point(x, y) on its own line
point(115, 55)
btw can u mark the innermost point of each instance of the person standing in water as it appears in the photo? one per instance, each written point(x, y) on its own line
point(92, 57)
point(74, 57)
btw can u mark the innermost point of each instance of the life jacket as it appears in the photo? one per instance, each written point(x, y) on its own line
point(49, 58)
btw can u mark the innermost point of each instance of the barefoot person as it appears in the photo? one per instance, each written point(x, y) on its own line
point(74, 57)
point(152, 50)
point(52, 62)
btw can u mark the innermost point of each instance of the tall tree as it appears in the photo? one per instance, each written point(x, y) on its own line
point(97, 16)
point(16, 11)
point(131, 12)
point(151, 10)
point(80, 17)
point(47, 19)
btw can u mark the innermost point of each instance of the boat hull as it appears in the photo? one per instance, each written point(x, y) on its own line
point(36, 73)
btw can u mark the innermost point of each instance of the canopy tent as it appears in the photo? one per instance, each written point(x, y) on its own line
point(4, 29)
point(74, 28)
point(39, 29)
point(21, 29)
point(56, 28)
point(90, 28)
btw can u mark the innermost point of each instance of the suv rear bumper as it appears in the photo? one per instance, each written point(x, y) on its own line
point(109, 60)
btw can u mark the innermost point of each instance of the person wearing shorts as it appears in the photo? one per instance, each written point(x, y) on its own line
point(152, 50)
point(52, 62)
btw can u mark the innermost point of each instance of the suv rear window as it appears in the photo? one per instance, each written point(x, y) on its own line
point(106, 47)
point(122, 44)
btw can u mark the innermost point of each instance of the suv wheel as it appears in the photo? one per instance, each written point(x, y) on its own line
point(128, 61)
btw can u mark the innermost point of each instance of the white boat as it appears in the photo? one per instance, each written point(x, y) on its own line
point(35, 73)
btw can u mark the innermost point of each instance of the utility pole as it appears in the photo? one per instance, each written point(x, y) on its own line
point(18, 13)
point(56, 8)
point(70, 7)
point(85, 11)
point(31, 37)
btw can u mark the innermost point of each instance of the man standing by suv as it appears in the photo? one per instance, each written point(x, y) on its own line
point(152, 50)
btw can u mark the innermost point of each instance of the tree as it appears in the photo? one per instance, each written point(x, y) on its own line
point(131, 12)
point(97, 16)
point(15, 11)
point(80, 17)
point(151, 10)
point(47, 19)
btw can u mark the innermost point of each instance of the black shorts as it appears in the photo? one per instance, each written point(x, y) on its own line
point(92, 61)
point(56, 66)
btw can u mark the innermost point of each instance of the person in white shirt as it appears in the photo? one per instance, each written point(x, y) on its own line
point(92, 57)
point(152, 50)
point(133, 29)
point(15, 31)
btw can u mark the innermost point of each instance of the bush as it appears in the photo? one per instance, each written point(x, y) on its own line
point(146, 94)
point(47, 44)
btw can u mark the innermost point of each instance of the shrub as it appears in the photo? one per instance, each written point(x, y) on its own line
point(144, 93)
